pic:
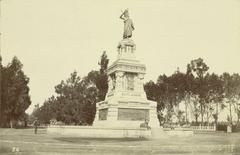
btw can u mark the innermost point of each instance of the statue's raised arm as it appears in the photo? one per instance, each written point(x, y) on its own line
point(122, 16)
point(128, 24)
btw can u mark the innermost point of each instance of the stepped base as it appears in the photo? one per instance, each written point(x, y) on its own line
point(97, 132)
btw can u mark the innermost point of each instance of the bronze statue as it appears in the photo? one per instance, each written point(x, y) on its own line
point(128, 24)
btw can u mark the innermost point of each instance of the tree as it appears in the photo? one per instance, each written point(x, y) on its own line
point(199, 67)
point(231, 86)
point(102, 80)
point(153, 92)
point(91, 97)
point(45, 113)
point(1, 68)
point(72, 98)
point(167, 92)
point(75, 102)
point(188, 94)
point(178, 84)
point(214, 97)
point(76, 98)
point(15, 94)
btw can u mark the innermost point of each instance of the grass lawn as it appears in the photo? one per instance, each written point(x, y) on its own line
point(44, 144)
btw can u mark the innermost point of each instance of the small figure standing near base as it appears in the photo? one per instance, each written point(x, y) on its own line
point(36, 124)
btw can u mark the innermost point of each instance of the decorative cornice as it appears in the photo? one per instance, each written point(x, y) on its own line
point(127, 67)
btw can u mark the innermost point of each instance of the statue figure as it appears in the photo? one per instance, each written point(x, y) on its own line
point(128, 24)
point(145, 125)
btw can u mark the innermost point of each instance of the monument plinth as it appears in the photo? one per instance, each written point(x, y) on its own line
point(126, 104)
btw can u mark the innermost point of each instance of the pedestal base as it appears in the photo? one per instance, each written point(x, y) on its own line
point(126, 112)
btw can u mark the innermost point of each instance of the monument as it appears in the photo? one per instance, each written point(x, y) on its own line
point(126, 104)
point(125, 107)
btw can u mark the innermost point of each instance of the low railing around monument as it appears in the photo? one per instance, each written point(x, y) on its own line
point(199, 128)
point(204, 128)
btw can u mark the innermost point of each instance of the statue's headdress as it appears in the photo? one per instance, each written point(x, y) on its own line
point(126, 13)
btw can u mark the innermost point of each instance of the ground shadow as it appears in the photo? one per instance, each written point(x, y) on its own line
point(84, 140)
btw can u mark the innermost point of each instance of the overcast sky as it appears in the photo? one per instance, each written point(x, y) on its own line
point(52, 38)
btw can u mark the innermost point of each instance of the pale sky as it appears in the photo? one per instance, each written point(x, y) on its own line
point(52, 38)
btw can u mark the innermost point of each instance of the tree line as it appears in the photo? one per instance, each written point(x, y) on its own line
point(204, 94)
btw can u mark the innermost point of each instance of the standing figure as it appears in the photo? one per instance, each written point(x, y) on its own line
point(128, 24)
point(36, 124)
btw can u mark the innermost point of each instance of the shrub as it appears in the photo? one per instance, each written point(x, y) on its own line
point(236, 128)
point(222, 126)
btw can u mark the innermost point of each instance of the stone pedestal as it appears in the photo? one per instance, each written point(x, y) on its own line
point(126, 104)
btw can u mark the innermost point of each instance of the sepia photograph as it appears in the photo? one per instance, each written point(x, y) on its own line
point(102, 77)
